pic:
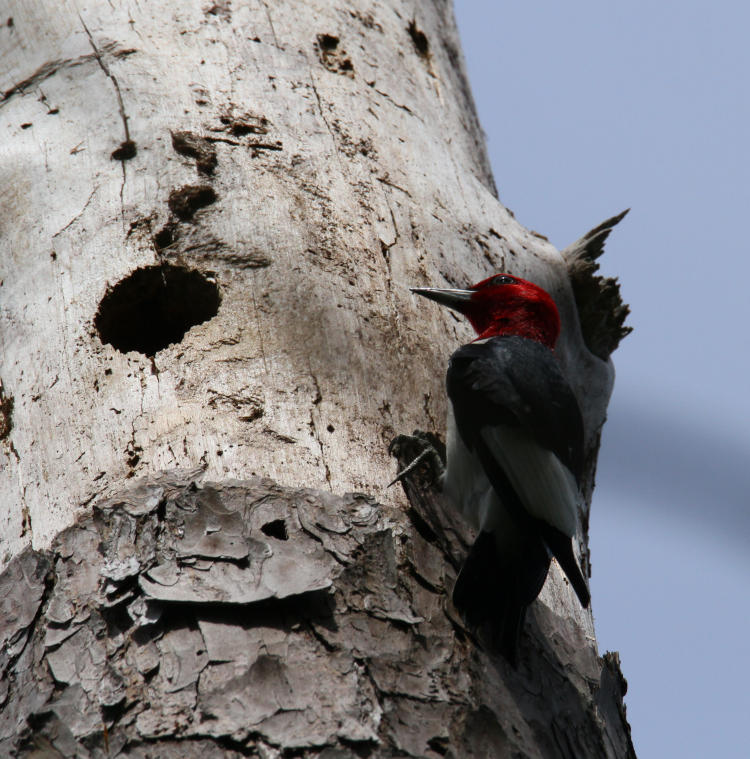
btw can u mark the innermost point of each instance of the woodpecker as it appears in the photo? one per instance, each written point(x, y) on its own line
point(514, 453)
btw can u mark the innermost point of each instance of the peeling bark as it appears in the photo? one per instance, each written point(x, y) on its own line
point(180, 615)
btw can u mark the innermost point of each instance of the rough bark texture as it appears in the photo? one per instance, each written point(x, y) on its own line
point(211, 215)
point(244, 618)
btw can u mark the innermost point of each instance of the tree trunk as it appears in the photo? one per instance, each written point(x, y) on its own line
point(212, 213)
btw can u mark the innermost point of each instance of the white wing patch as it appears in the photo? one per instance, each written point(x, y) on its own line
point(468, 489)
point(544, 484)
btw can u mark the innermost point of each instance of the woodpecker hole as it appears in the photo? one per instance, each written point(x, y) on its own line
point(154, 307)
point(275, 529)
point(6, 414)
point(419, 38)
point(332, 57)
point(238, 129)
point(246, 124)
point(195, 146)
point(187, 200)
point(165, 237)
point(328, 42)
point(125, 152)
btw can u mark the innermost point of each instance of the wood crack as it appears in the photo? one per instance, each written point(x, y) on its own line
point(325, 120)
point(270, 23)
point(391, 100)
point(50, 68)
point(314, 427)
point(386, 251)
point(110, 75)
point(78, 215)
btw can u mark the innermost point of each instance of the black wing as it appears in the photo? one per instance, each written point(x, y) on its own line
point(515, 381)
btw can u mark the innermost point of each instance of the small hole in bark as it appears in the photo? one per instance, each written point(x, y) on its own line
point(125, 152)
point(439, 745)
point(37, 723)
point(333, 57)
point(113, 712)
point(194, 146)
point(275, 529)
point(419, 38)
point(330, 428)
point(117, 618)
point(363, 749)
point(154, 307)
point(187, 200)
point(161, 510)
point(6, 414)
point(328, 41)
point(240, 130)
point(165, 237)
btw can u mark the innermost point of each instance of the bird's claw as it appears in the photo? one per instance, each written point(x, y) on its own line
point(418, 448)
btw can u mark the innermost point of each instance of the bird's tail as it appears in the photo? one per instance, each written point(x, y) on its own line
point(494, 589)
point(561, 547)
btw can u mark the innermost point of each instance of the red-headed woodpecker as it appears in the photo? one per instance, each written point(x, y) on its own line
point(515, 453)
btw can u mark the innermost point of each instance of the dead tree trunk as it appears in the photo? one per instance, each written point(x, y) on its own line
point(211, 213)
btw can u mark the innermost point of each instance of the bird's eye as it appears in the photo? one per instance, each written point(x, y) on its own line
point(502, 279)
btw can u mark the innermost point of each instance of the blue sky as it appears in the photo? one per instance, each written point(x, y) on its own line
point(590, 108)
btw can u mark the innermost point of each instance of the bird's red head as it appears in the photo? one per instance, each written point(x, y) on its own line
point(503, 305)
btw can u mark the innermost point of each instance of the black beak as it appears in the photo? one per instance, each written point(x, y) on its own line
point(455, 299)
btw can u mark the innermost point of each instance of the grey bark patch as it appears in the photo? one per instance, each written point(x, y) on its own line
point(269, 576)
point(182, 658)
point(22, 586)
point(76, 712)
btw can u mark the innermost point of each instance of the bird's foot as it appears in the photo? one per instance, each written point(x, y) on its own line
point(418, 448)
